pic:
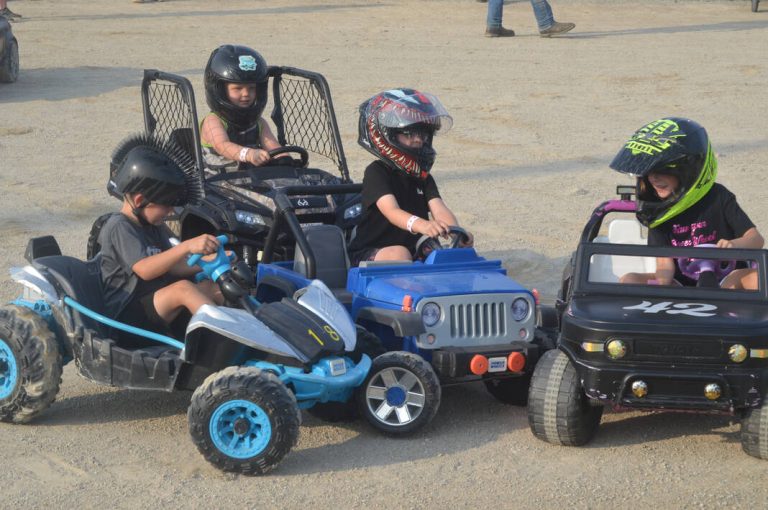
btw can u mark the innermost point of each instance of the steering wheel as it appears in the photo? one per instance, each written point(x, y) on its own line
point(694, 268)
point(425, 245)
point(212, 269)
point(295, 149)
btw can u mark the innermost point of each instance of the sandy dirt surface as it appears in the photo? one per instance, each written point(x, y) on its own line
point(536, 123)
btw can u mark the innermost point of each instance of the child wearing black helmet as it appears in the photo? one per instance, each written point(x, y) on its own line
point(400, 197)
point(145, 278)
point(679, 200)
point(236, 92)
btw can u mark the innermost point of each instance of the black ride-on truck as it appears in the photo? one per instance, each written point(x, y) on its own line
point(652, 347)
point(239, 199)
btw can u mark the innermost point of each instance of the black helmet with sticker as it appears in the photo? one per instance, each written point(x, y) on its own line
point(236, 64)
point(674, 146)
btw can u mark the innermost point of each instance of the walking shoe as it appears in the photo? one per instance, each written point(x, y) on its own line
point(10, 15)
point(499, 32)
point(557, 28)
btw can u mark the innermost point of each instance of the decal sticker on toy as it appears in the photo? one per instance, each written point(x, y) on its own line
point(692, 309)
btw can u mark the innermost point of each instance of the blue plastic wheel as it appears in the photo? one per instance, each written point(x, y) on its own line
point(240, 429)
point(244, 419)
point(8, 370)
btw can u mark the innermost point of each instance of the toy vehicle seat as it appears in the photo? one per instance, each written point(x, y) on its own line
point(80, 281)
point(609, 268)
point(331, 258)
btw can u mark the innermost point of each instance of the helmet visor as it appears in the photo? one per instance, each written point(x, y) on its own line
point(399, 109)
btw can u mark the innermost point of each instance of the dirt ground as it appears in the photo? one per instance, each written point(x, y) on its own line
point(536, 123)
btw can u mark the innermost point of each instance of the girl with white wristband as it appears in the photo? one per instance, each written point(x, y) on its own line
point(236, 91)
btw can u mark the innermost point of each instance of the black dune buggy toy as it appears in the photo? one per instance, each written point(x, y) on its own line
point(251, 366)
point(9, 53)
point(239, 200)
point(652, 347)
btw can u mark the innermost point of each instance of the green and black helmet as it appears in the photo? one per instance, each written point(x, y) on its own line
point(674, 146)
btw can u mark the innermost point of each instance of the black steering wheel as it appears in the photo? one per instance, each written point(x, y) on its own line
point(295, 149)
point(425, 245)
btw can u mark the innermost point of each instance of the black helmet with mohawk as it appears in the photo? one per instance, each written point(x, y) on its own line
point(158, 169)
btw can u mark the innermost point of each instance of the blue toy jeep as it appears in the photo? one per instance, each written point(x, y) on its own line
point(461, 316)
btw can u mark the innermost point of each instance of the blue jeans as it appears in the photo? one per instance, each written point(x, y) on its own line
point(541, 9)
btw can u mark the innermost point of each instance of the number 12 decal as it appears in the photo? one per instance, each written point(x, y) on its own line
point(692, 309)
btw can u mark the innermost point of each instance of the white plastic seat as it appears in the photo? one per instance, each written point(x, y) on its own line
point(609, 268)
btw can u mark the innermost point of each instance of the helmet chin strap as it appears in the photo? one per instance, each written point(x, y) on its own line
point(138, 212)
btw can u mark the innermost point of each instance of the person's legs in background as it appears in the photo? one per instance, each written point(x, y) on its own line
point(493, 26)
point(7, 13)
point(546, 20)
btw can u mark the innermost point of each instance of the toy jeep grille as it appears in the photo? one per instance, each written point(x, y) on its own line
point(478, 320)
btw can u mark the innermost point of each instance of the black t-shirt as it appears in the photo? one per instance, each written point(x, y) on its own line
point(716, 216)
point(123, 243)
point(412, 195)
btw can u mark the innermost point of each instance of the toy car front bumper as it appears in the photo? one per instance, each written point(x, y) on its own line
point(454, 362)
point(667, 387)
point(319, 385)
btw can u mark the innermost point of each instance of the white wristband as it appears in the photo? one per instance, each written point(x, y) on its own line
point(244, 154)
point(410, 223)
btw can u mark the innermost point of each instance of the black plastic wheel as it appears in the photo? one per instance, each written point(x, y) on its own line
point(401, 393)
point(512, 391)
point(754, 432)
point(244, 419)
point(30, 365)
point(558, 410)
point(9, 71)
point(334, 412)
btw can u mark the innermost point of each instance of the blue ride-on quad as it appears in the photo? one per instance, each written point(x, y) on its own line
point(652, 347)
point(251, 366)
point(457, 316)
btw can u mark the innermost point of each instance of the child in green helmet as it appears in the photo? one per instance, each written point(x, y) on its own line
point(680, 202)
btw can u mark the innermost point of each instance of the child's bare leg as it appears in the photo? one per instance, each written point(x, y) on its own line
point(741, 279)
point(641, 278)
point(212, 290)
point(393, 253)
point(170, 300)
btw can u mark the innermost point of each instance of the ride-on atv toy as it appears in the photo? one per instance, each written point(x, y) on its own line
point(459, 314)
point(9, 53)
point(239, 200)
point(652, 347)
point(251, 366)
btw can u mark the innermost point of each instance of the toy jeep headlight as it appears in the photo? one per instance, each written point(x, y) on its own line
point(616, 349)
point(430, 314)
point(353, 212)
point(249, 218)
point(737, 353)
point(520, 309)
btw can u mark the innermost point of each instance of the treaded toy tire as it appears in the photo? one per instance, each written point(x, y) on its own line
point(244, 401)
point(30, 364)
point(558, 410)
point(403, 389)
point(337, 412)
point(9, 71)
point(754, 432)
